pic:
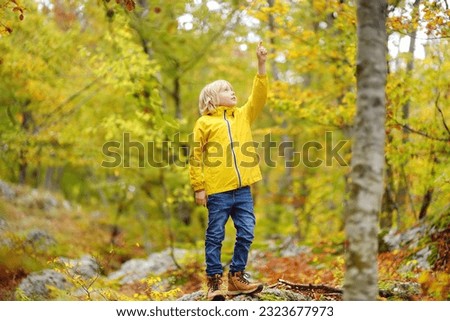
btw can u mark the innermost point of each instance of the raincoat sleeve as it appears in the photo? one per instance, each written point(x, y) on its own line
point(257, 99)
point(196, 159)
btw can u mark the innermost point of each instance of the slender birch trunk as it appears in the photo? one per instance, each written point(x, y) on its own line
point(366, 177)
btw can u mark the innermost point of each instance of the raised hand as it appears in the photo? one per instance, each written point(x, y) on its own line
point(261, 53)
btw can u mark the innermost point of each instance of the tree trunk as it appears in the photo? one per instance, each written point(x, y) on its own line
point(273, 63)
point(428, 197)
point(285, 181)
point(23, 165)
point(177, 96)
point(403, 189)
point(366, 177)
point(53, 177)
point(409, 69)
point(26, 125)
point(388, 206)
point(389, 203)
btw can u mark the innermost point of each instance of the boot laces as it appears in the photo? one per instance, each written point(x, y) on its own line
point(214, 282)
point(243, 277)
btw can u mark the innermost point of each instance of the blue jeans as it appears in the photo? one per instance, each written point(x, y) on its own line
point(238, 204)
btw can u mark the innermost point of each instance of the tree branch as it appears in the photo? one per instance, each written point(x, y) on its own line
point(58, 108)
point(436, 103)
point(64, 116)
point(210, 42)
point(328, 290)
point(418, 132)
point(311, 287)
point(10, 116)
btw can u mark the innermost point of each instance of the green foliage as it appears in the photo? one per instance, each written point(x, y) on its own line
point(10, 10)
point(77, 75)
point(100, 289)
point(436, 284)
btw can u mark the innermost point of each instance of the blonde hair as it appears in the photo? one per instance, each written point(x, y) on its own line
point(209, 96)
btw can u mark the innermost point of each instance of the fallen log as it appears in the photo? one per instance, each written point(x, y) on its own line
point(324, 289)
point(402, 291)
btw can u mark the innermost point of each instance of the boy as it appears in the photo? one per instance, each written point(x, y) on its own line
point(222, 168)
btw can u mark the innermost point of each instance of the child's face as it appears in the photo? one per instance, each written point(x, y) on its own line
point(227, 97)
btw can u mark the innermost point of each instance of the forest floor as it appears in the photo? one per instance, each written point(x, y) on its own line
point(317, 273)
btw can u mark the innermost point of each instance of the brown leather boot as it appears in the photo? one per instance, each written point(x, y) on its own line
point(214, 291)
point(238, 283)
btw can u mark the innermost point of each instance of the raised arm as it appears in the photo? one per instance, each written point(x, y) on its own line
point(258, 97)
point(261, 54)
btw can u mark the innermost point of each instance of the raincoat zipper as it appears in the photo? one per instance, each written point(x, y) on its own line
point(232, 149)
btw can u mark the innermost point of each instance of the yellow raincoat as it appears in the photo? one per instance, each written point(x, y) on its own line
point(224, 157)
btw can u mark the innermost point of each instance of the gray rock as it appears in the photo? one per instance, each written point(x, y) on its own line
point(40, 240)
point(35, 285)
point(195, 296)
point(393, 239)
point(5, 239)
point(409, 238)
point(419, 260)
point(6, 242)
point(36, 199)
point(294, 250)
point(6, 191)
point(402, 290)
point(66, 205)
point(412, 236)
point(422, 258)
point(288, 248)
point(138, 269)
point(86, 267)
point(405, 288)
point(27, 199)
point(268, 294)
point(3, 225)
point(47, 201)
